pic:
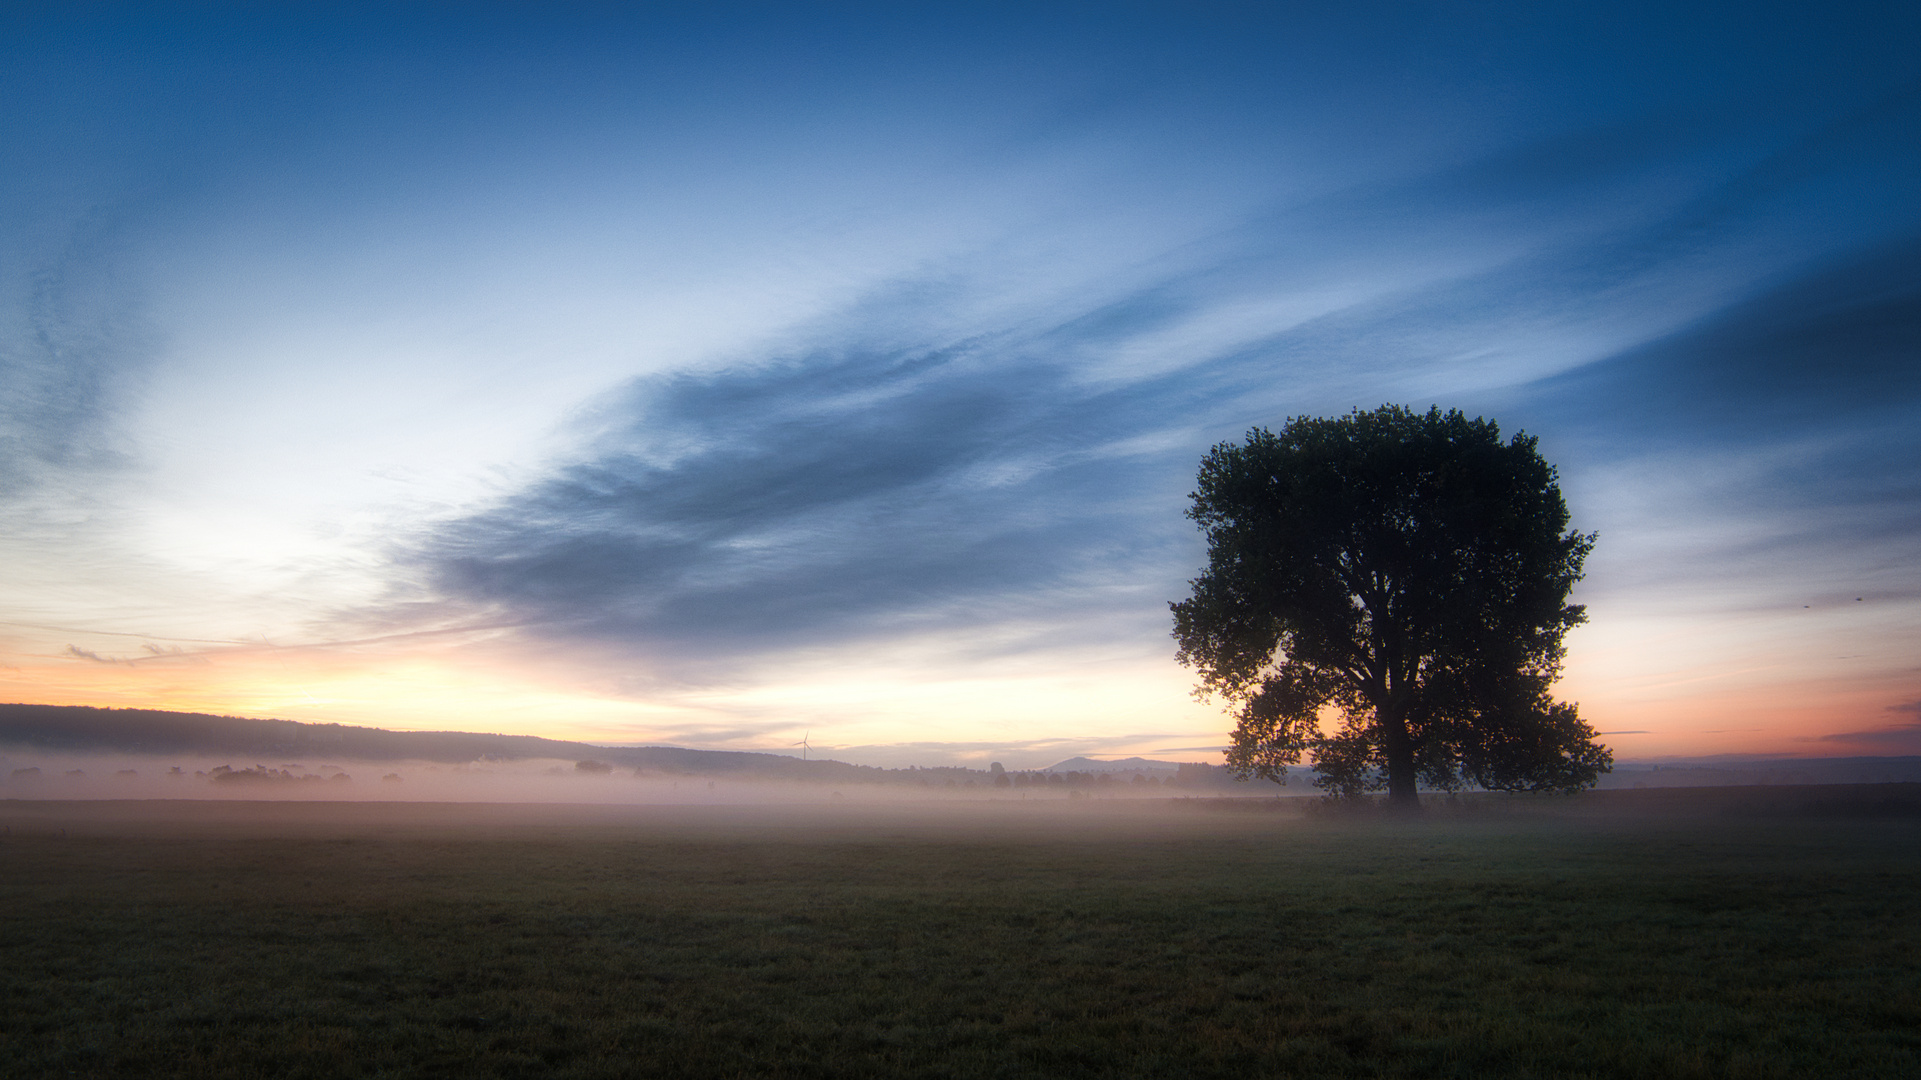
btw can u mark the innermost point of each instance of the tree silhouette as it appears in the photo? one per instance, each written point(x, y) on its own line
point(1406, 574)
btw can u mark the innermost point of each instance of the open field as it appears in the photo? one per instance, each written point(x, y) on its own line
point(1656, 934)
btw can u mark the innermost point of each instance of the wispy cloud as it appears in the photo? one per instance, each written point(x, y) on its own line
point(1902, 737)
point(852, 488)
point(829, 495)
point(88, 654)
point(1899, 738)
point(72, 346)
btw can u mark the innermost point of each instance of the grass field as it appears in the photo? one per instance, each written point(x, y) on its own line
point(1167, 939)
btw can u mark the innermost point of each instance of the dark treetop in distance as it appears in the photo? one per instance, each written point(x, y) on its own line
point(1408, 571)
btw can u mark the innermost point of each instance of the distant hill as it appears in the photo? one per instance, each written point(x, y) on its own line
point(80, 729)
point(1131, 765)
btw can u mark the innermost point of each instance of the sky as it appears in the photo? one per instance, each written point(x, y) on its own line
point(732, 375)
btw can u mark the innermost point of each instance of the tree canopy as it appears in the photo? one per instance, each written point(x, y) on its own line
point(1405, 576)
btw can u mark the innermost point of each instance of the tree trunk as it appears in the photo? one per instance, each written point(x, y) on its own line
point(1403, 795)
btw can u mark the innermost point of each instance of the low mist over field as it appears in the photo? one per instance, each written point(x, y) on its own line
point(50, 752)
point(53, 752)
point(42, 776)
point(28, 775)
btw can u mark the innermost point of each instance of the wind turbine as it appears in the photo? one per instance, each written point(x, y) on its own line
point(804, 748)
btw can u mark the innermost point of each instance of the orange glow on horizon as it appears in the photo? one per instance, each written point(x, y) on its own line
point(1656, 684)
point(449, 691)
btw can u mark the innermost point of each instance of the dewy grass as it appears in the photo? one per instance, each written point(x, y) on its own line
point(1022, 941)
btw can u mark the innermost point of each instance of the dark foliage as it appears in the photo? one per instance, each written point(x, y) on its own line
point(1406, 572)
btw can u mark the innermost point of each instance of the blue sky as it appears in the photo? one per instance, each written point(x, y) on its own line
point(720, 374)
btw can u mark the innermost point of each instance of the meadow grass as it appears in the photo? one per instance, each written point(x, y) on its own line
point(1006, 940)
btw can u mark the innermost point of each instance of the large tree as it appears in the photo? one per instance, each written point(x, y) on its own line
point(1404, 576)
